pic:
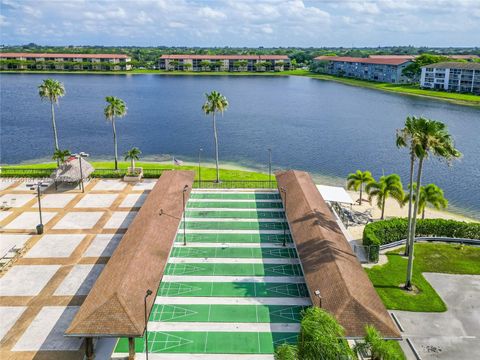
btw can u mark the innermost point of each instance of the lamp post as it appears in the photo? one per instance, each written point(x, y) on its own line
point(38, 187)
point(79, 156)
point(147, 294)
point(270, 167)
point(283, 189)
point(199, 167)
point(317, 294)
point(185, 188)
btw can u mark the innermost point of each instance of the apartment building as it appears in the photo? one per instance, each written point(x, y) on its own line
point(224, 62)
point(33, 61)
point(382, 69)
point(452, 76)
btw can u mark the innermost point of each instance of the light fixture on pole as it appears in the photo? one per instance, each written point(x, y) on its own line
point(317, 294)
point(199, 167)
point(185, 188)
point(38, 186)
point(147, 294)
point(270, 167)
point(283, 189)
point(79, 156)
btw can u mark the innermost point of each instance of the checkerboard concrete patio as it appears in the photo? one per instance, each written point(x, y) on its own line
point(41, 292)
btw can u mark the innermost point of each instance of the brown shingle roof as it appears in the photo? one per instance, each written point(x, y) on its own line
point(224, 57)
point(379, 61)
point(49, 55)
point(115, 305)
point(455, 65)
point(328, 261)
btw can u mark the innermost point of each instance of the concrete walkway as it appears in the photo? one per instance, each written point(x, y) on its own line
point(454, 334)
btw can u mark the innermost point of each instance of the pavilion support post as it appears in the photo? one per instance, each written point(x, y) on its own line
point(131, 348)
point(89, 354)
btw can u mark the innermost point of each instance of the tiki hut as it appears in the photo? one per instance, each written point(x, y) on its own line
point(70, 171)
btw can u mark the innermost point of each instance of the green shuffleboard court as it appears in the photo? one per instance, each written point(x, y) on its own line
point(235, 205)
point(231, 290)
point(237, 289)
point(227, 313)
point(245, 214)
point(233, 238)
point(235, 196)
point(232, 252)
point(234, 269)
point(209, 342)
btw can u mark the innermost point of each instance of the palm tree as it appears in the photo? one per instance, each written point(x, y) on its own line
point(433, 195)
point(52, 90)
point(431, 137)
point(387, 186)
point(116, 108)
point(132, 155)
point(357, 179)
point(216, 102)
point(407, 137)
point(61, 155)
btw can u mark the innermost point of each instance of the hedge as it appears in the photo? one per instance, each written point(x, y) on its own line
point(387, 231)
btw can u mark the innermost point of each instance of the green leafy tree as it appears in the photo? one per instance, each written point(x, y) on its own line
point(374, 345)
point(414, 69)
point(433, 195)
point(215, 103)
point(132, 155)
point(357, 179)
point(432, 137)
point(205, 65)
point(407, 137)
point(116, 108)
point(387, 186)
point(243, 65)
point(321, 336)
point(52, 90)
point(286, 352)
point(61, 155)
point(187, 66)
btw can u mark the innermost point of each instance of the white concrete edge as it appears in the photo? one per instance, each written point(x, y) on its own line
point(206, 300)
point(276, 261)
point(234, 279)
point(160, 326)
point(278, 245)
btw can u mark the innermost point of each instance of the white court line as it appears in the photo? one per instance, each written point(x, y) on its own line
point(237, 200)
point(184, 356)
point(247, 279)
point(233, 245)
point(252, 220)
point(234, 191)
point(240, 232)
point(284, 301)
point(235, 209)
point(222, 327)
point(286, 261)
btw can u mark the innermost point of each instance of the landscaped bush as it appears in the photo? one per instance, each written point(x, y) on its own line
point(387, 231)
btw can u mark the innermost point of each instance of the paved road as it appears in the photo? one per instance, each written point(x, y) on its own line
point(454, 334)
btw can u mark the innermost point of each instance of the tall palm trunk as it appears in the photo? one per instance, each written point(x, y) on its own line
point(115, 143)
point(216, 146)
point(361, 191)
point(423, 214)
point(383, 207)
point(410, 203)
point(54, 126)
point(408, 283)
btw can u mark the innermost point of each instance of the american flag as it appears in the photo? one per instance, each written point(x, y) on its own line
point(177, 162)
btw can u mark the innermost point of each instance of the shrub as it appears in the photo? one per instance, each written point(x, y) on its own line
point(387, 231)
point(286, 352)
point(378, 348)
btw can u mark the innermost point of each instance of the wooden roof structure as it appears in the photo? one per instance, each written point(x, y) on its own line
point(115, 305)
point(328, 262)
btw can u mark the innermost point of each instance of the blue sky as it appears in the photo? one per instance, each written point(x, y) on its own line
point(241, 22)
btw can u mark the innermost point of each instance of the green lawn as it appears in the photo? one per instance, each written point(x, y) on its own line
point(440, 258)
point(208, 173)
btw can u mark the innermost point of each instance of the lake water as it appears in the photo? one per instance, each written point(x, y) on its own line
point(323, 127)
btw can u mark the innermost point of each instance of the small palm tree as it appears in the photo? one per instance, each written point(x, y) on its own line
point(61, 155)
point(132, 155)
point(433, 195)
point(432, 137)
point(116, 108)
point(216, 103)
point(52, 90)
point(357, 179)
point(374, 344)
point(387, 186)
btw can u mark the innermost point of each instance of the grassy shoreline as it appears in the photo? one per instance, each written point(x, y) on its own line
point(412, 90)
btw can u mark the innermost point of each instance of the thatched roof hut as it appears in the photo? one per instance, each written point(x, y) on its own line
point(69, 171)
